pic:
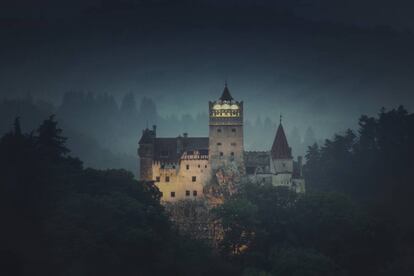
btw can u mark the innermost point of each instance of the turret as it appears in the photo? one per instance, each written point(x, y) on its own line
point(281, 153)
point(146, 153)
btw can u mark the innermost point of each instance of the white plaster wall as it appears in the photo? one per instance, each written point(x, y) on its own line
point(181, 179)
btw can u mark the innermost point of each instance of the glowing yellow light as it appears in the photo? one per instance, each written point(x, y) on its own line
point(225, 106)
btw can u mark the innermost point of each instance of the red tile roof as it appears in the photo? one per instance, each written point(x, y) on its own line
point(280, 147)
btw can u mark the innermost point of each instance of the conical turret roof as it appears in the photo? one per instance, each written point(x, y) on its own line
point(226, 96)
point(280, 147)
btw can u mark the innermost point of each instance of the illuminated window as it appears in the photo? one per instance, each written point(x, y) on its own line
point(194, 193)
point(194, 179)
point(187, 193)
point(172, 194)
point(157, 179)
point(188, 167)
point(167, 179)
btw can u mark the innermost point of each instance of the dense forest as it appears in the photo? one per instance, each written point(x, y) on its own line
point(60, 218)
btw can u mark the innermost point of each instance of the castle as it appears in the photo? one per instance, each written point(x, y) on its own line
point(183, 166)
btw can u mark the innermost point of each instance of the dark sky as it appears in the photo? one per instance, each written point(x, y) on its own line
point(319, 62)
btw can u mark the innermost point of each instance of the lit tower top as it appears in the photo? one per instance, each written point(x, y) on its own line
point(226, 111)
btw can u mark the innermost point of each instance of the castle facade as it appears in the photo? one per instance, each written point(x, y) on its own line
point(182, 167)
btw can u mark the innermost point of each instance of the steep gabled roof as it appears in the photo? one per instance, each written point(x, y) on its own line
point(226, 96)
point(280, 147)
point(169, 149)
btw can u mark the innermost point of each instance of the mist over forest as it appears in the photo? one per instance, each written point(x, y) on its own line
point(81, 79)
point(104, 133)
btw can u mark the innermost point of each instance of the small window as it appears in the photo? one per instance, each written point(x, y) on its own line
point(187, 193)
point(167, 179)
point(232, 153)
point(233, 130)
point(188, 167)
point(173, 166)
point(162, 194)
point(194, 193)
point(172, 194)
point(157, 179)
point(199, 165)
point(233, 144)
point(205, 166)
point(219, 130)
point(221, 153)
point(218, 144)
point(194, 179)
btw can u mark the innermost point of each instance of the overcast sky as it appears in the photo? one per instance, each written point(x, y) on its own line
point(319, 62)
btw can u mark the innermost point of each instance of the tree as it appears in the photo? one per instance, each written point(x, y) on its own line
point(49, 139)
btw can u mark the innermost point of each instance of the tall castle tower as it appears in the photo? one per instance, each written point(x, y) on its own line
point(226, 131)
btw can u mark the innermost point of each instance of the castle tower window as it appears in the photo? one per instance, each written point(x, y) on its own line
point(162, 194)
point(199, 166)
point(205, 166)
point(233, 144)
point(194, 178)
point(218, 144)
point(219, 130)
point(233, 130)
point(221, 153)
point(194, 193)
point(172, 194)
point(232, 153)
point(187, 166)
point(157, 179)
point(167, 179)
point(187, 193)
